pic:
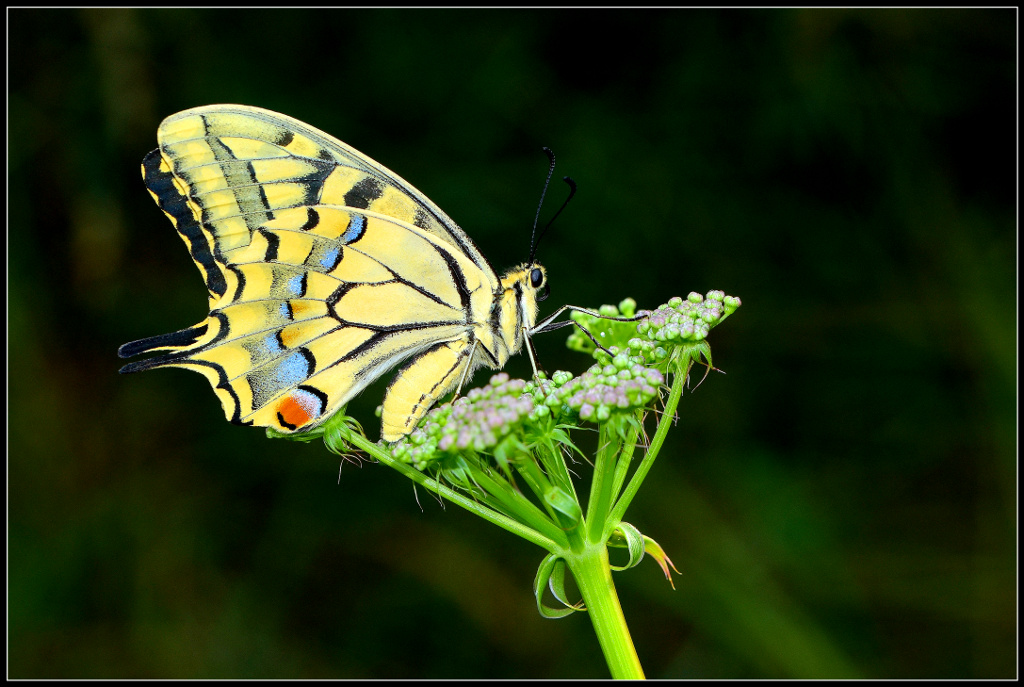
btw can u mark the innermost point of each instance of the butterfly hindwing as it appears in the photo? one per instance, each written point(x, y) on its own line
point(324, 270)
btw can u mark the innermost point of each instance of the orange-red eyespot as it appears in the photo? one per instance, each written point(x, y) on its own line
point(300, 407)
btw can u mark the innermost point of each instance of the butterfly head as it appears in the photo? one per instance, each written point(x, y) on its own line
point(524, 286)
point(528, 281)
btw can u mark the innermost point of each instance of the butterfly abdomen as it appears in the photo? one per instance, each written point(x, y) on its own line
point(418, 385)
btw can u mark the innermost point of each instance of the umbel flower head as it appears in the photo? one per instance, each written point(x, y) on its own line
point(684, 320)
point(621, 385)
point(617, 385)
point(665, 335)
point(479, 421)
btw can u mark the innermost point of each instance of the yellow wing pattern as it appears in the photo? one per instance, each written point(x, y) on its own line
point(324, 270)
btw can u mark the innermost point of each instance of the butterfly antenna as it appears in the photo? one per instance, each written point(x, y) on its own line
point(536, 218)
point(572, 192)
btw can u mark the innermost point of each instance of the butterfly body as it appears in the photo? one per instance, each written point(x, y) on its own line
point(324, 270)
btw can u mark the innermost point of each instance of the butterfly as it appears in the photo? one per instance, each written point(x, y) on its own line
point(324, 271)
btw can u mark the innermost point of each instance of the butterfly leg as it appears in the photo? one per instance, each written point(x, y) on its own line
point(530, 351)
point(548, 324)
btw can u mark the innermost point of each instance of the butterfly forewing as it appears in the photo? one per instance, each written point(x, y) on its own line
point(270, 161)
point(324, 270)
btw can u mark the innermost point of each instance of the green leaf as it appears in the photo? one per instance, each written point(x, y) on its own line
point(557, 585)
point(304, 437)
point(565, 504)
point(634, 542)
point(652, 547)
point(338, 432)
point(551, 573)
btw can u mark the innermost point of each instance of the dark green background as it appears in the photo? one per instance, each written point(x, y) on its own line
point(842, 503)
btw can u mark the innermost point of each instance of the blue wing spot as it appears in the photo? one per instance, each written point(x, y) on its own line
point(272, 345)
point(291, 370)
point(330, 258)
point(295, 285)
point(269, 380)
point(356, 227)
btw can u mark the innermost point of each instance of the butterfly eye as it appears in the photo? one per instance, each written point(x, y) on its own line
point(536, 278)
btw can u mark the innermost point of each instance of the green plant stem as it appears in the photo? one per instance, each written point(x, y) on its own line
point(600, 500)
point(667, 417)
point(433, 485)
point(593, 576)
point(626, 456)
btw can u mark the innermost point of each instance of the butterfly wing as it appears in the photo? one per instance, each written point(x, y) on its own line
point(324, 270)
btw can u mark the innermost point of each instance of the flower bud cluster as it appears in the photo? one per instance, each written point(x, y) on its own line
point(620, 386)
point(680, 321)
point(477, 421)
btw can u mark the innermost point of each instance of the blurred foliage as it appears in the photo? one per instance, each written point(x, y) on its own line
point(841, 504)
